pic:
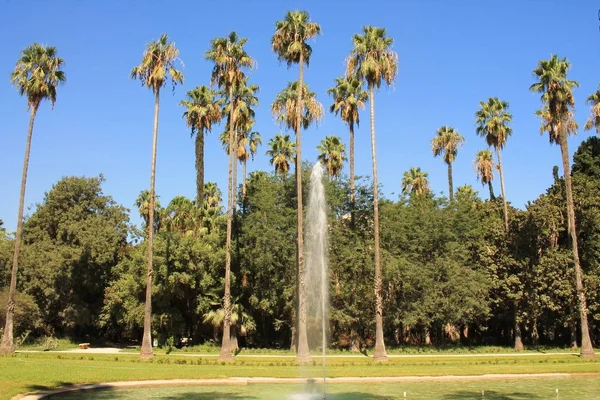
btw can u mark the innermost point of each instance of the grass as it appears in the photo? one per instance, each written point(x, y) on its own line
point(26, 372)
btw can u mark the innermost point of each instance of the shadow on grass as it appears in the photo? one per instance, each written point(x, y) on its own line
point(490, 395)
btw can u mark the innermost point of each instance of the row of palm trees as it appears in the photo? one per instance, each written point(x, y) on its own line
point(492, 123)
point(370, 63)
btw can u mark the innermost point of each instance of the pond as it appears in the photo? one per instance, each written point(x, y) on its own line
point(580, 388)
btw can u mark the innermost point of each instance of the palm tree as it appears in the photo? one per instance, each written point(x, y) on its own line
point(282, 152)
point(36, 75)
point(203, 108)
point(484, 166)
point(492, 121)
point(143, 204)
point(158, 65)
point(247, 147)
point(332, 154)
point(348, 97)
point(241, 321)
point(558, 120)
point(446, 143)
point(415, 181)
point(290, 43)
point(594, 119)
point(372, 60)
point(229, 57)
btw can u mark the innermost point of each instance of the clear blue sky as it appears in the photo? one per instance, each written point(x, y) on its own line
point(452, 55)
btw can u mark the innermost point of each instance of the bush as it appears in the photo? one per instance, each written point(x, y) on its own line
point(27, 314)
point(49, 343)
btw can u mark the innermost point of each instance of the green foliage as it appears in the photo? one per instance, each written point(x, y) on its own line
point(27, 314)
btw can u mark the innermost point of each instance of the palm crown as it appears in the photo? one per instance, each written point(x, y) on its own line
point(492, 121)
point(348, 98)
point(446, 143)
point(332, 155)
point(37, 74)
point(229, 57)
point(557, 97)
point(291, 34)
point(282, 151)
point(415, 181)
point(285, 109)
point(203, 108)
point(372, 58)
point(594, 119)
point(158, 64)
point(484, 166)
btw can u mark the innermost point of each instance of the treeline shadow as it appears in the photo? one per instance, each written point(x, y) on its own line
point(490, 395)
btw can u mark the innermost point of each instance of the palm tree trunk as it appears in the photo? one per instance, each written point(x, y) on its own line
point(492, 197)
point(146, 350)
point(7, 345)
point(380, 353)
point(244, 181)
point(352, 174)
point(303, 354)
point(199, 168)
point(498, 153)
point(587, 350)
point(225, 354)
point(450, 187)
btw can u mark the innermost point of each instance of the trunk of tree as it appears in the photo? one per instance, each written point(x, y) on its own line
point(352, 175)
point(244, 181)
point(8, 345)
point(502, 189)
point(492, 197)
point(199, 168)
point(450, 187)
point(380, 353)
point(573, 334)
point(518, 338)
point(587, 350)
point(225, 354)
point(354, 340)
point(233, 340)
point(146, 350)
point(303, 354)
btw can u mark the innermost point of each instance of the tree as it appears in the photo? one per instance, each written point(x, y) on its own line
point(229, 58)
point(157, 66)
point(558, 120)
point(415, 181)
point(484, 166)
point(142, 202)
point(594, 119)
point(282, 152)
point(447, 143)
point(247, 147)
point(37, 76)
point(203, 109)
point(348, 97)
point(372, 60)
point(492, 121)
point(332, 154)
point(290, 43)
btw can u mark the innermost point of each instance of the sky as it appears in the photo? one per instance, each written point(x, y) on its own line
point(452, 55)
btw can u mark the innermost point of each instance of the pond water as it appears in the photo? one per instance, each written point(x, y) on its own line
point(577, 388)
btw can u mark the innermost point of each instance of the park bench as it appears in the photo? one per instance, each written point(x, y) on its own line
point(84, 345)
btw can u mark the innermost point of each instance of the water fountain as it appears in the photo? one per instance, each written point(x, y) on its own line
point(316, 261)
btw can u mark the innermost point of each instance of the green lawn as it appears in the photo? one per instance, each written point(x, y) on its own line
point(25, 372)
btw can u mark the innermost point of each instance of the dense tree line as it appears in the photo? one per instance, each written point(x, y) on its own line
point(451, 275)
point(443, 269)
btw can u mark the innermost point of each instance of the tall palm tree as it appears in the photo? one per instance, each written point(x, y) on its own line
point(229, 58)
point(594, 120)
point(36, 75)
point(332, 154)
point(247, 147)
point(348, 97)
point(203, 108)
point(446, 144)
point(373, 61)
point(415, 181)
point(557, 117)
point(484, 166)
point(290, 43)
point(282, 152)
point(157, 66)
point(492, 121)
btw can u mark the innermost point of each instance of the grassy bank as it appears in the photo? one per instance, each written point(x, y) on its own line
point(25, 372)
